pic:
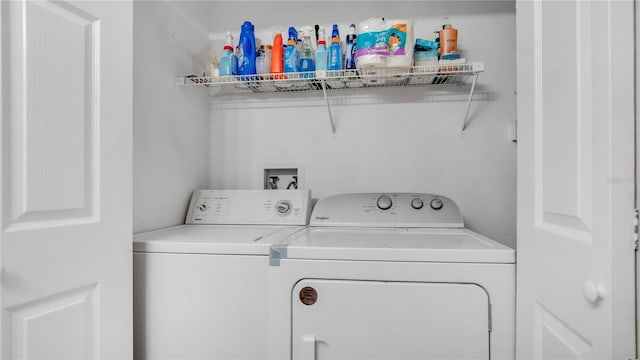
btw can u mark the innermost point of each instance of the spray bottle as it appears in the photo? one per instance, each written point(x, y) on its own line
point(321, 55)
point(335, 50)
point(291, 54)
point(228, 61)
point(306, 55)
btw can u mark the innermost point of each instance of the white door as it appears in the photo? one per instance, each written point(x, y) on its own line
point(575, 266)
point(66, 179)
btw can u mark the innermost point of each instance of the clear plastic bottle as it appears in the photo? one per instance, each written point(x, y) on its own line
point(212, 66)
point(267, 58)
point(306, 55)
point(260, 60)
point(321, 55)
point(228, 61)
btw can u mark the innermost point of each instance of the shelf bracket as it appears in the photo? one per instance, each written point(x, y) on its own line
point(466, 115)
point(326, 99)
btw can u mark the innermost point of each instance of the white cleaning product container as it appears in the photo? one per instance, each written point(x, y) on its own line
point(400, 40)
point(384, 47)
point(372, 48)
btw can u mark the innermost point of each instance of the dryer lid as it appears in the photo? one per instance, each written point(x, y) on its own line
point(407, 245)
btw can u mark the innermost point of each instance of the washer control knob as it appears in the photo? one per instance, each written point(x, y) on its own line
point(283, 207)
point(384, 202)
point(436, 204)
point(417, 203)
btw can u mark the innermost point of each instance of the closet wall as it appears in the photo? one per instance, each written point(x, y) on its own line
point(387, 140)
point(170, 124)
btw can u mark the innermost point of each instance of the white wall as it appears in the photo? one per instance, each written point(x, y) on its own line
point(387, 140)
point(170, 124)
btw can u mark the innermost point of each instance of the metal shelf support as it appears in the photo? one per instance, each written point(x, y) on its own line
point(465, 122)
point(326, 99)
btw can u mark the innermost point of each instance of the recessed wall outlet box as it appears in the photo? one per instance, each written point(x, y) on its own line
point(282, 178)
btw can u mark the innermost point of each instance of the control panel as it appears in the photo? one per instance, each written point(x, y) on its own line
point(249, 207)
point(387, 210)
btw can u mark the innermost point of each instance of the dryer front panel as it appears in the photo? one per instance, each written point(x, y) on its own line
point(340, 319)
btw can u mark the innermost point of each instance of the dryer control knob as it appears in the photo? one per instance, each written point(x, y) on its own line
point(384, 202)
point(283, 207)
point(436, 204)
point(417, 203)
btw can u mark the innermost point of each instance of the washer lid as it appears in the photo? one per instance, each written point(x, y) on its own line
point(413, 245)
point(212, 239)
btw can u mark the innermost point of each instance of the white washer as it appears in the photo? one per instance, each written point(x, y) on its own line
point(391, 276)
point(201, 291)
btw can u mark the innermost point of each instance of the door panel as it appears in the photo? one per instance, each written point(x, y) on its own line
point(563, 123)
point(575, 179)
point(65, 216)
point(340, 319)
point(558, 154)
point(63, 324)
point(555, 340)
point(53, 117)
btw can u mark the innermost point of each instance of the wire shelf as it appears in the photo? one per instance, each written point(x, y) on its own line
point(454, 74)
point(435, 75)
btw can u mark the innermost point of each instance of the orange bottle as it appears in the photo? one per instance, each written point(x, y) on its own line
point(277, 57)
point(448, 40)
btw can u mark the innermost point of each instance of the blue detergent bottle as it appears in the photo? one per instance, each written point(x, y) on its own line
point(246, 50)
point(291, 54)
point(335, 50)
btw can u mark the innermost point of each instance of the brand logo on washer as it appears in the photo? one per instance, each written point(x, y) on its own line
point(322, 218)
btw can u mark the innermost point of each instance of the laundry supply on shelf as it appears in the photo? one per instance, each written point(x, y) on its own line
point(349, 57)
point(291, 53)
point(228, 61)
point(425, 52)
point(246, 50)
point(448, 40)
point(384, 44)
point(277, 56)
point(335, 50)
point(321, 55)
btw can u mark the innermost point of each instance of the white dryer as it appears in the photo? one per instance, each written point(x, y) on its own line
point(201, 290)
point(391, 276)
